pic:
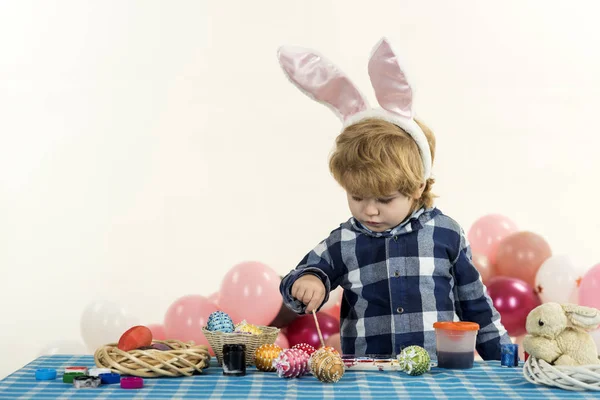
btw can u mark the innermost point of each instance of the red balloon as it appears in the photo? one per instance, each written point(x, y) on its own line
point(304, 330)
point(521, 255)
point(514, 299)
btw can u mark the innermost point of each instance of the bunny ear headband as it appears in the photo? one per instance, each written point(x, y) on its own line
point(322, 81)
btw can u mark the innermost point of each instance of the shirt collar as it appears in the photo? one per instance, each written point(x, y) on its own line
point(412, 223)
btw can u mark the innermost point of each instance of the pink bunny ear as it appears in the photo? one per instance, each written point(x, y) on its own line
point(393, 92)
point(319, 79)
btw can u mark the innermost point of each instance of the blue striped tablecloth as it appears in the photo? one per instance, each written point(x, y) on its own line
point(486, 380)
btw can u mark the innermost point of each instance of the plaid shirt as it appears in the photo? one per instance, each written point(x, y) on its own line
point(399, 282)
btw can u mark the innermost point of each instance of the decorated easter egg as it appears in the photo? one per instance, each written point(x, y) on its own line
point(291, 363)
point(265, 355)
point(330, 349)
point(414, 360)
point(326, 365)
point(161, 346)
point(220, 321)
point(134, 338)
point(305, 347)
point(319, 353)
point(244, 327)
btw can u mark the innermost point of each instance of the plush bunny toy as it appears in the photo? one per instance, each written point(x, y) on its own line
point(557, 334)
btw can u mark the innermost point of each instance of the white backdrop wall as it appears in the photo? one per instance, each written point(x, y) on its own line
point(146, 146)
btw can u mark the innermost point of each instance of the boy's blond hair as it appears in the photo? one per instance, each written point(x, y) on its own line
point(374, 158)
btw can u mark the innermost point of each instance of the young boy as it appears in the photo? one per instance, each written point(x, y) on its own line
point(402, 263)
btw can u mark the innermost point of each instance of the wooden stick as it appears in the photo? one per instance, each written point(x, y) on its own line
point(318, 329)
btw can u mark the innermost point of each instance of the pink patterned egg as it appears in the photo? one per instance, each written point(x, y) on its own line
point(291, 363)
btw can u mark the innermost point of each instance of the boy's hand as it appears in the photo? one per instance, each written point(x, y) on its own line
point(309, 290)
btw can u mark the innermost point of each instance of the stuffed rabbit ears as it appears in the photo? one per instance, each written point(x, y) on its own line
point(587, 318)
point(324, 82)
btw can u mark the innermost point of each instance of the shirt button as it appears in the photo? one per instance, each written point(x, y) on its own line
point(397, 274)
point(400, 310)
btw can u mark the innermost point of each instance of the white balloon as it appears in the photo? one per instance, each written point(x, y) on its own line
point(64, 347)
point(103, 322)
point(557, 280)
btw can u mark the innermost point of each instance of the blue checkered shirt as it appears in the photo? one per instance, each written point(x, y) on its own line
point(399, 282)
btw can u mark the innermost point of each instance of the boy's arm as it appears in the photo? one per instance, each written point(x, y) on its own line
point(317, 262)
point(473, 304)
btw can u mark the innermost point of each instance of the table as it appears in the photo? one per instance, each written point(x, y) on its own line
point(486, 380)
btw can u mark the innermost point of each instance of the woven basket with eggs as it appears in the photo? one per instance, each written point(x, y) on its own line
point(220, 331)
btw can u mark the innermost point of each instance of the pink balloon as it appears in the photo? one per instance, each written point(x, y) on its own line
point(335, 296)
point(214, 298)
point(514, 299)
point(250, 291)
point(333, 311)
point(334, 341)
point(484, 267)
point(304, 330)
point(519, 341)
point(158, 331)
point(487, 232)
point(186, 317)
point(589, 290)
point(336, 304)
point(521, 255)
point(596, 336)
point(282, 341)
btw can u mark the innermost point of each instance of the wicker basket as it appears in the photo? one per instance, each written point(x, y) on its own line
point(185, 359)
point(217, 339)
point(577, 378)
